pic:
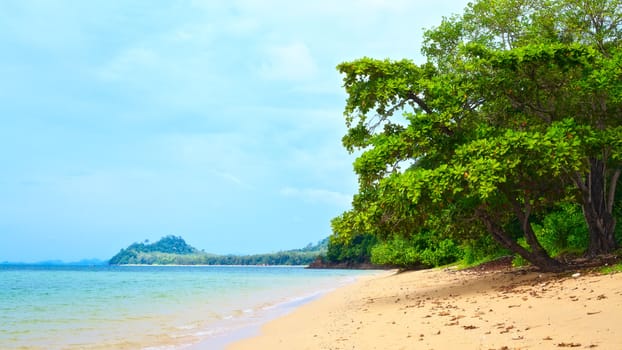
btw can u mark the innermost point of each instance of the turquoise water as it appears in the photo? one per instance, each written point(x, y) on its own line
point(145, 307)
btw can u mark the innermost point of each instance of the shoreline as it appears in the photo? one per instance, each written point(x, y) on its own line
point(246, 328)
point(239, 329)
point(441, 309)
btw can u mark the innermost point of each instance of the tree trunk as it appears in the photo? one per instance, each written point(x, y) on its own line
point(538, 257)
point(528, 233)
point(597, 201)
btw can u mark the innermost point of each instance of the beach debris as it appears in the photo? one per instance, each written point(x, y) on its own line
point(547, 338)
point(601, 297)
point(575, 275)
point(517, 337)
point(594, 313)
point(568, 345)
point(505, 329)
point(469, 327)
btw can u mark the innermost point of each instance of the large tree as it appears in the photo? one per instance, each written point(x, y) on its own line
point(517, 109)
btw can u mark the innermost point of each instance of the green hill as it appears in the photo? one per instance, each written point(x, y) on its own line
point(172, 250)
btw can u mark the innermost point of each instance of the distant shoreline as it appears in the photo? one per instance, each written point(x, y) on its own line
point(104, 263)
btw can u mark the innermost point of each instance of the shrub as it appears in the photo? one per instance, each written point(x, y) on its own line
point(425, 248)
point(357, 250)
point(563, 231)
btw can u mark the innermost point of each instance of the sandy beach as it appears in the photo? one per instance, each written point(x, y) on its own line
point(449, 309)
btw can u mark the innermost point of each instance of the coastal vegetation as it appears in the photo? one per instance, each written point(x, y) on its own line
point(173, 250)
point(507, 140)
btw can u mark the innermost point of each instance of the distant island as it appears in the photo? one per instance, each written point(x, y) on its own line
point(173, 250)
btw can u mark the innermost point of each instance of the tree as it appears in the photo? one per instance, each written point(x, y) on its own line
point(512, 114)
point(569, 67)
point(578, 83)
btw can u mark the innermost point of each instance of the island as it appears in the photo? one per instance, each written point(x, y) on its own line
point(173, 250)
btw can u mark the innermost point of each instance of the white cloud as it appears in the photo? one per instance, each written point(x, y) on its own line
point(288, 62)
point(314, 195)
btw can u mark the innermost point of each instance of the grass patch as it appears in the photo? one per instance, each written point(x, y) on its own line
point(611, 269)
point(463, 265)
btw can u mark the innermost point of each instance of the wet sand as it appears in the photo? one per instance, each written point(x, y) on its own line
point(448, 309)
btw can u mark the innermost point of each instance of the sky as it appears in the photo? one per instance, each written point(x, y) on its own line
point(218, 121)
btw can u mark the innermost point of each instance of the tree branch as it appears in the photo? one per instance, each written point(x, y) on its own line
point(421, 103)
point(578, 180)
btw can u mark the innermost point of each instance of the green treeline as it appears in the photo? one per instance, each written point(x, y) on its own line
point(172, 250)
point(506, 140)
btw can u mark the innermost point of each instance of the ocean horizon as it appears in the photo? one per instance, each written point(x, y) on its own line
point(149, 307)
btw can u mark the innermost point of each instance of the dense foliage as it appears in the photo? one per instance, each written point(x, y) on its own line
point(511, 128)
point(172, 250)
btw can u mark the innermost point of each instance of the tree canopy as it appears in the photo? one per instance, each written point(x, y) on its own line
point(515, 114)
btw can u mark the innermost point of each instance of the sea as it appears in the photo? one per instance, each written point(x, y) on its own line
point(150, 307)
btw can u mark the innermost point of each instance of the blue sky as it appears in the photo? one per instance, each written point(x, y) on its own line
point(220, 121)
